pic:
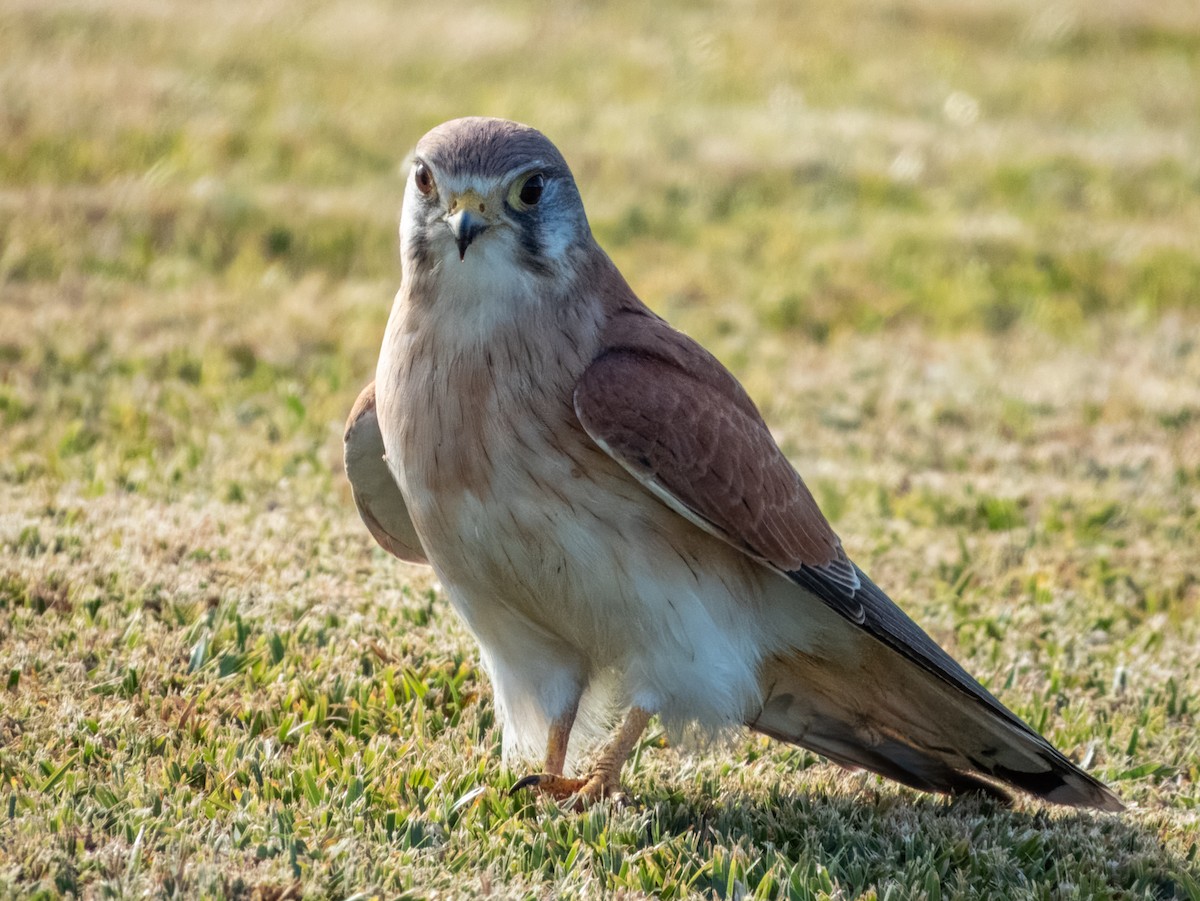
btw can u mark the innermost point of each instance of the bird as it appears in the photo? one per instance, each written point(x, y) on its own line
point(609, 514)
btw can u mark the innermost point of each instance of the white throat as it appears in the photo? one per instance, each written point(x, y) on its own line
point(468, 300)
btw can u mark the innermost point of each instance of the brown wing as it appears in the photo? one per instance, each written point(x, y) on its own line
point(376, 494)
point(680, 423)
point(675, 419)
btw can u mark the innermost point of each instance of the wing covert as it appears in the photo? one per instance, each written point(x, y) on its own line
point(679, 422)
point(681, 425)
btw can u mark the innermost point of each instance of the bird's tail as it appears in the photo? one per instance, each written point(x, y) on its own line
point(903, 724)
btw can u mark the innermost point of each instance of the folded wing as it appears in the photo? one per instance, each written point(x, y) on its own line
point(680, 424)
point(376, 494)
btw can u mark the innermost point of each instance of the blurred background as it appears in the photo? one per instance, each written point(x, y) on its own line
point(952, 247)
point(211, 187)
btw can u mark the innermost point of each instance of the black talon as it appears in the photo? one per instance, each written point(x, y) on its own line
point(526, 782)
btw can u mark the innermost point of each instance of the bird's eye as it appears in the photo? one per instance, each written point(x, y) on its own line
point(531, 189)
point(424, 178)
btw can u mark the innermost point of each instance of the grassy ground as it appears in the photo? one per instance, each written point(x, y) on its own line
point(951, 248)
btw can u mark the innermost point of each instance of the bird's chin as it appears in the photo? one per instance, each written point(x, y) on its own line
point(480, 263)
point(486, 280)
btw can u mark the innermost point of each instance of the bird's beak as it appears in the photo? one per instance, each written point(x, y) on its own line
point(467, 220)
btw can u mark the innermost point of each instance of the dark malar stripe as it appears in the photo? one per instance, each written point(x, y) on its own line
point(532, 256)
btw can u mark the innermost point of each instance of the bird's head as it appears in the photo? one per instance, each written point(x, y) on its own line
point(490, 203)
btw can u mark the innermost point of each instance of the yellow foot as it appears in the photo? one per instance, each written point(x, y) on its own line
point(580, 792)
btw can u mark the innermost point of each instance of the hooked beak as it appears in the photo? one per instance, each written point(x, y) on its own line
point(465, 226)
point(467, 221)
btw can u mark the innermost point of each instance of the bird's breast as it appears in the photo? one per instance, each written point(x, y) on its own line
point(535, 531)
point(494, 466)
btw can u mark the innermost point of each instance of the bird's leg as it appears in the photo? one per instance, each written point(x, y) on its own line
point(556, 745)
point(604, 780)
point(605, 777)
point(551, 779)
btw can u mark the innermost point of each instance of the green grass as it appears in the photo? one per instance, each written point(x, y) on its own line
point(950, 248)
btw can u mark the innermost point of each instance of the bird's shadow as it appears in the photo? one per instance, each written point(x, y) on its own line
point(886, 837)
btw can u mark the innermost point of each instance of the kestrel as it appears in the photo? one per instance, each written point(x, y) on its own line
point(610, 515)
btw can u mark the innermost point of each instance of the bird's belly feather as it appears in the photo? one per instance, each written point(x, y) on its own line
point(568, 571)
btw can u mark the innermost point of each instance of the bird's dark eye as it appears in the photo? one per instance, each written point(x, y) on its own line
point(531, 190)
point(424, 178)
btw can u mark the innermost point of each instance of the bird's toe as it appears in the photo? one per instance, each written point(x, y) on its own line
point(579, 793)
point(558, 787)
